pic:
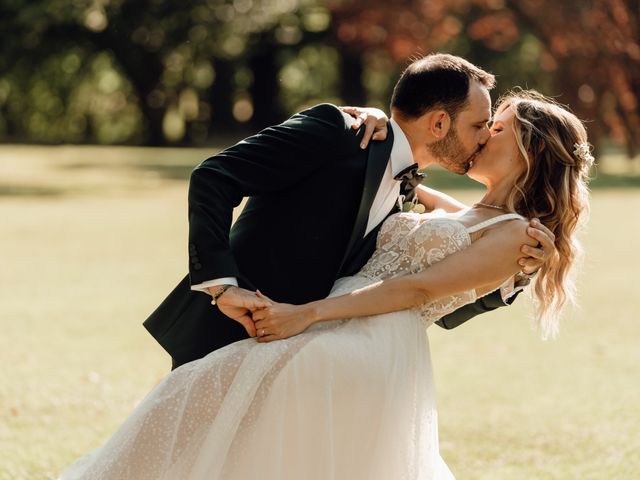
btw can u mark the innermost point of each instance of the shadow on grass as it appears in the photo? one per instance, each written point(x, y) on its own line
point(167, 171)
point(30, 191)
point(437, 178)
point(607, 180)
point(443, 180)
point(164, 170)
point(82, 168)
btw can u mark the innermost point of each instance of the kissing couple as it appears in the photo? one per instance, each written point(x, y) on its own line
point(324, 372)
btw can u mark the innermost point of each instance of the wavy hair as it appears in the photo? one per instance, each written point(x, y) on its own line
point(553, 188)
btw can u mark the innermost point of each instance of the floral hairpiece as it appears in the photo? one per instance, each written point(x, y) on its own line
point(583, 152)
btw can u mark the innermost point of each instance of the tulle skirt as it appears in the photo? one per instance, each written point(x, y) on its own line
point(344, 400)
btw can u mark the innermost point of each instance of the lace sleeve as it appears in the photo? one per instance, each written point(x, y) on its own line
point(434, 311)
point(409, 244)
point(439, 239)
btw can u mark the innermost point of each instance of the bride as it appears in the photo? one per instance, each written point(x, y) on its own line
point(347, 390)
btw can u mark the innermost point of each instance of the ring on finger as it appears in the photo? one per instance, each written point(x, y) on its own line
point(262, 332)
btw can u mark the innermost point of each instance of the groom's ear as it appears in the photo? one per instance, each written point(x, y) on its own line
point(439, 123)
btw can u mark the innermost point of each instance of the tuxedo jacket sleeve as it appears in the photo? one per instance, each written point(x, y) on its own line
point(269, 162)
point(481, 305)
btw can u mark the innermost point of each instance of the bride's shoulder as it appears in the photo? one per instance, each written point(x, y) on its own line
point(513, 230)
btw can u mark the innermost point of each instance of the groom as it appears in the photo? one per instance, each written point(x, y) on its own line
point(316, 202)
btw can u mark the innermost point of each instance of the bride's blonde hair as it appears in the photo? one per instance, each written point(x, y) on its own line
point(553, 188)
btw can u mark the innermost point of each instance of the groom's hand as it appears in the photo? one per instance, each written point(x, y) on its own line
point(538, 256)
point(238, 304)
point(281, 320)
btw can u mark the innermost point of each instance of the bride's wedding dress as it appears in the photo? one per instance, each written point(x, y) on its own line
point(345, 400)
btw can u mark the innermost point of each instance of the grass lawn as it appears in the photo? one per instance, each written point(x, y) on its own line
point(94, 238)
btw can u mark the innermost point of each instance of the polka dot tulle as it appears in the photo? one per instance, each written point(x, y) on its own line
point(345, 400)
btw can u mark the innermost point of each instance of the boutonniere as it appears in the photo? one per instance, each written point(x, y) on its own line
point(410, 178)
point(412, 205)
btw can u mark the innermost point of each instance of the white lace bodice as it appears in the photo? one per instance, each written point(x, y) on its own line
point(410, 242)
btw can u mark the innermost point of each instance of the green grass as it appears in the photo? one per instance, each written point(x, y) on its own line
point(515, 407)
point(93, 239)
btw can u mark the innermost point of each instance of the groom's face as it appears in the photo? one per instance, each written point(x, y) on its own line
point(467, 134)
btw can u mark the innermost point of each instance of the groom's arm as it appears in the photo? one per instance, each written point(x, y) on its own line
point(374, 123)
point(482, 305)
point(271, 161)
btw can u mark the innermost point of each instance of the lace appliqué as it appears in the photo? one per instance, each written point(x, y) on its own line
point(409, 243)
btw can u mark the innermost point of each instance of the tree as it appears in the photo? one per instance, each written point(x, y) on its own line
point(165, 56)
point(589, 50)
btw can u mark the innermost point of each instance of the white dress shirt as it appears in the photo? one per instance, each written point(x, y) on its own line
point(389, 189)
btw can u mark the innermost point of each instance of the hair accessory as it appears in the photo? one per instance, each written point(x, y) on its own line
point(583, 152)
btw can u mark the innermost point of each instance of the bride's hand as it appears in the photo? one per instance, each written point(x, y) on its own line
point(375, 121)
point(280, 320)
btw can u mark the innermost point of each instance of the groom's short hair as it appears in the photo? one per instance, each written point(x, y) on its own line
point(437, 81)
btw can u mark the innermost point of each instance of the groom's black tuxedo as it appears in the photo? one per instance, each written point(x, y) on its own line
point(311, 187)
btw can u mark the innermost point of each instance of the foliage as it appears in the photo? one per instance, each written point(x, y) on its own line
point(154, 71)
point(163, 58)
point(588, 50)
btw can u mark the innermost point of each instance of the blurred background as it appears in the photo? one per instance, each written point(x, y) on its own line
point(154, 72)
point(107, 105)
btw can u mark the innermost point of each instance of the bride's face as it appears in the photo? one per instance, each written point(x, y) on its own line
point(499, 160)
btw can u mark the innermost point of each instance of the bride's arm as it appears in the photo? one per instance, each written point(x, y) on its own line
point(489, 260)
point(433, 200)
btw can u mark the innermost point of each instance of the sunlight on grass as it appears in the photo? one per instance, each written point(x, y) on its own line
point(82, 268)
point(515, 407)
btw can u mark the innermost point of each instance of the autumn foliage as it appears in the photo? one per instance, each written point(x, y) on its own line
point(157, 72)
point(590, 49)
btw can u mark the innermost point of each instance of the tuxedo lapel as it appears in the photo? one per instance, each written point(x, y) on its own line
point(377, 161)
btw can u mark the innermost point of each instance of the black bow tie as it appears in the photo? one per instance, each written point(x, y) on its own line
point(410, 178)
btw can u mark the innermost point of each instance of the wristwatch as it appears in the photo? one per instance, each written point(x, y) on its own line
point(218, 293)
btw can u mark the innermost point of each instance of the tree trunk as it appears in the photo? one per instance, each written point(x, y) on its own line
point(352, 89)
point(265, 88)
point(220, 98)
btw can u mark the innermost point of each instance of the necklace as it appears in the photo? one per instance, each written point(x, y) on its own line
point(488, 205)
